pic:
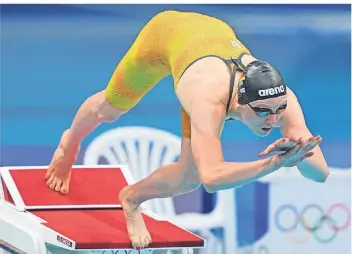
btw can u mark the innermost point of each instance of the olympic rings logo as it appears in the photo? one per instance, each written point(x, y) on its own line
point(312, 228)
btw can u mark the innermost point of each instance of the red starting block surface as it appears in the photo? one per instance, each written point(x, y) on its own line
point(90, 216)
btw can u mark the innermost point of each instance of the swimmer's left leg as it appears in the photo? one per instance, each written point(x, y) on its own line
point(94, 111)
point(167, 181)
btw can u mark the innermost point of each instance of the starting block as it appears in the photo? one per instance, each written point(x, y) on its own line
point(89, 218)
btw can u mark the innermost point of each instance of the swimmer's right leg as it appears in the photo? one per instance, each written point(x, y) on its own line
point(93, 112)
point(167, 181)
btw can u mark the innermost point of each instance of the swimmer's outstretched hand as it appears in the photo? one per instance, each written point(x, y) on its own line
point(58, 174)
point(301, 151)
point(280, 145)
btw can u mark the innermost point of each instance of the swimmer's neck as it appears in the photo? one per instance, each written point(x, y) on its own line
point(233, 111)
point(233, 108)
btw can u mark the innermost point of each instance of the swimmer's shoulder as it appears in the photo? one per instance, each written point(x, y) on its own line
point(209, 76)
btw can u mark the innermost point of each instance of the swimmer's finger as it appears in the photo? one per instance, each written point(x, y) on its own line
point(279, 145)
point(288, 144)
point(270, 148)
point(283, 144)
point(293, 151)
point(307, 155)
point(291, 144)
point(318, 139)
point(310, 141)
point(310, 154)
point(264, 153)
point(313, 142)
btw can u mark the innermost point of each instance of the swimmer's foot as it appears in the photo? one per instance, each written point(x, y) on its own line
point(58, 174)
point(137, 230)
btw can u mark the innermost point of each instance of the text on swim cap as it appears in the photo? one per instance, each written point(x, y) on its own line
point(271, 91)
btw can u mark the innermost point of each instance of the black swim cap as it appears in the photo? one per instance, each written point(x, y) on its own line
point(260, 81)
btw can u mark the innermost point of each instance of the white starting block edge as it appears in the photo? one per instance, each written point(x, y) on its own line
point(22, 224)
point(26, 232)
point(21, 206)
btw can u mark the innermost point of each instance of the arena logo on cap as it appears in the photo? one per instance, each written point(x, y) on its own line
point(271, 91)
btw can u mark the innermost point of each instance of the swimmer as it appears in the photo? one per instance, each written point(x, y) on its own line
point(216, 78)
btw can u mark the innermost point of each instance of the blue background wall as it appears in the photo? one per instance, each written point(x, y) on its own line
point(54, 56)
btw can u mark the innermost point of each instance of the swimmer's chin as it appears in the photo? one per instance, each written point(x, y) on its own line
point(262, 134)
point(259, 132)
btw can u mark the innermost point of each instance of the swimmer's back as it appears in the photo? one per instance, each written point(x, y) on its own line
point(168, 44)
point(184, 37)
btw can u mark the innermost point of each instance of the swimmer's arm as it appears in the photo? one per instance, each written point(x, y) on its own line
point(215, 173)
point(94, 111)
point(293, 126)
